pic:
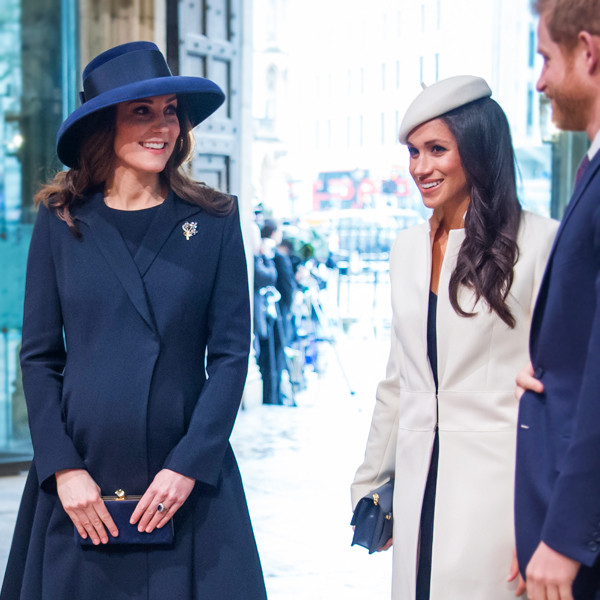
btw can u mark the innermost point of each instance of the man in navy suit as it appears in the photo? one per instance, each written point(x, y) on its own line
point(557, 499)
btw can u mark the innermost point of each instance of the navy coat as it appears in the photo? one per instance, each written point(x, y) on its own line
point(557, 497)
point(148, 375)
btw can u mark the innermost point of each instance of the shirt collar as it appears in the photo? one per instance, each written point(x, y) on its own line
point(593, 149)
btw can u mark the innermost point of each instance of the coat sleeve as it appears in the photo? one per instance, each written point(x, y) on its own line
point(200, 452)
point(572, 524)
point(380, 454)
point(43, 359)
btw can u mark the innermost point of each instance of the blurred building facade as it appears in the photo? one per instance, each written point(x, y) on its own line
point(44, 44)
point(315, 93)
point(347, 70)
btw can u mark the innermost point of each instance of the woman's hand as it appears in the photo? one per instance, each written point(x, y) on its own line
point(526, 381)
point(170, 489)
point(387, 545)
point(515, 574)
point(80, 497)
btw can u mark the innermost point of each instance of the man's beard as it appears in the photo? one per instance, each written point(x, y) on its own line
point(569, 106)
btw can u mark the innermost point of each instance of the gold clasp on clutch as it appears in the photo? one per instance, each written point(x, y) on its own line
point(375, 499)
point(120, 494)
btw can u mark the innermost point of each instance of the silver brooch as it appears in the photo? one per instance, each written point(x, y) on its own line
point(190, 228)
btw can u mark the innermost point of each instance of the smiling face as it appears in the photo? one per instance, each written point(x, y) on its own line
point(146, 133)
point(436, 167)
point(561, 83)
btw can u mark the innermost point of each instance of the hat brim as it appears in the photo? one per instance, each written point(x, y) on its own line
point(199, 98)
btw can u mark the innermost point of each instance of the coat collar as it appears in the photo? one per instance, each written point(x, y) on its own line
point(130, 271)
point(578, 192)
point(421, 271)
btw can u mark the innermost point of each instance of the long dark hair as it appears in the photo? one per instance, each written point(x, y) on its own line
point(95, 165)
point(489, 252)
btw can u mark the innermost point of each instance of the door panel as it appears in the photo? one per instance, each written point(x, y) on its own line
point(210, 47)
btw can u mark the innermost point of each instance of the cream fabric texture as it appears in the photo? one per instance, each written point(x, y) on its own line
point(478, 359)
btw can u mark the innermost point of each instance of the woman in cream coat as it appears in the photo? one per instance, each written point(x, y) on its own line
point(446, 428)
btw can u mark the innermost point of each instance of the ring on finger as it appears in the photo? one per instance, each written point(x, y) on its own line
point(161, 508)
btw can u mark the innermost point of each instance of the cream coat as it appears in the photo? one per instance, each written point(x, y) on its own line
point(478, 359)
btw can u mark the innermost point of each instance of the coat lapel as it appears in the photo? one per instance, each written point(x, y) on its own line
point(420, 281)
point(577, 195)
point(172, 213)
point(103, 230)
point(444, 337)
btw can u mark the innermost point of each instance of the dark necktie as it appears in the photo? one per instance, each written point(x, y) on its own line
point(583, 165)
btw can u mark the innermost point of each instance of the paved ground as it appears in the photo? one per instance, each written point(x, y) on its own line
point(297, 464)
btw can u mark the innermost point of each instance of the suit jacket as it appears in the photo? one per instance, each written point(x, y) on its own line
point(475, 412)
point(558, 458)
point(131, 365)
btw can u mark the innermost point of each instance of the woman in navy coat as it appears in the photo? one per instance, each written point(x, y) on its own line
point(136, 335)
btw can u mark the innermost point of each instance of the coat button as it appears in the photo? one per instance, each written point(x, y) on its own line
point(538, 372)
point(593, 546)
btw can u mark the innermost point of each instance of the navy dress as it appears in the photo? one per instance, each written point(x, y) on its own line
point(428, 510)
point(133, 224)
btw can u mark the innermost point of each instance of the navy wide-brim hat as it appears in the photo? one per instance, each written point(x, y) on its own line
point(131, 72)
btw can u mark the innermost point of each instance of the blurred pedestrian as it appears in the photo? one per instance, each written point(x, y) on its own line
point(558, 450)
point(286, 279)
point(463, 290)
point(272, 359)
point(136, 336)
point(265, 275)
point(267, 319)
point(287, 286)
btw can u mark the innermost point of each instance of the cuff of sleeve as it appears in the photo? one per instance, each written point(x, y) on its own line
point(46, 469)
point(190, 468)
point(585, 552)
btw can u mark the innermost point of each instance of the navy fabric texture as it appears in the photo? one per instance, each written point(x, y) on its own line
point(557, 497)
point(157, 359)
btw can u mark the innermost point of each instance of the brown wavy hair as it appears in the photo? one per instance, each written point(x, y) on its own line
point(566, 18)
point(94, 167)
point(489, 251)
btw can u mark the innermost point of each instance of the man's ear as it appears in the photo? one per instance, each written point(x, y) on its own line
point(589, 45)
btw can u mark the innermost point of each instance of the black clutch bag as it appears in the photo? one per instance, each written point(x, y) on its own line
point(121, 508)
point(372, 518)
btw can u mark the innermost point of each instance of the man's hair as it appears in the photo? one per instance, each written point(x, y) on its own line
point(269, 228)
point(566, 18)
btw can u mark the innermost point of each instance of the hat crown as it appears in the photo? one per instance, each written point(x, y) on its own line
point(442, 97)
point(128, 63)
point(111, 53)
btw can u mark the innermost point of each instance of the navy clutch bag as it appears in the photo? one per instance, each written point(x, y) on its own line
point(121, 508)
point(372, 518)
